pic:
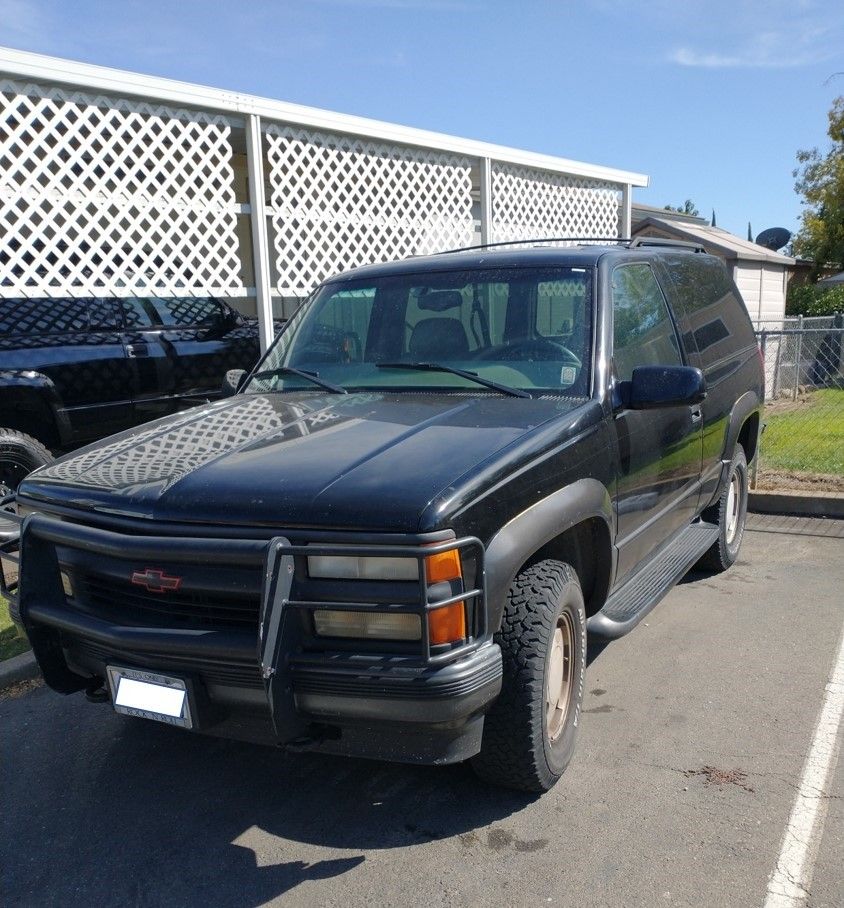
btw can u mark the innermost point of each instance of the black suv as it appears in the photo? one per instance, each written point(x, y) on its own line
point(74, 370)
point(393, 539)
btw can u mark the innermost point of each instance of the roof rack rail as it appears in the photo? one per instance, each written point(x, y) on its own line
point(664, 241)
point(540, 239)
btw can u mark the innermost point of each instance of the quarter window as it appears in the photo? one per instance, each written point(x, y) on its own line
point(643, 333)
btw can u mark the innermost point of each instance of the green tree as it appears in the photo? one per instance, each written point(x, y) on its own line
point(688, 207)
point(820, 181)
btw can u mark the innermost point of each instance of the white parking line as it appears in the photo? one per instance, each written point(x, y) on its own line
point(790, 881)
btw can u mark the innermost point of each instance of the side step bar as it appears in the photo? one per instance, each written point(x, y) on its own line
point(629, 604)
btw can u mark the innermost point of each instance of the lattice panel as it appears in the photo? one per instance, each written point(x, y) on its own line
point(341, 201)
point(110, 195)
point(528, 204)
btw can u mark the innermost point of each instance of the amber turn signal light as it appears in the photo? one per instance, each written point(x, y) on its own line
point(444, 566)
point(447, 624)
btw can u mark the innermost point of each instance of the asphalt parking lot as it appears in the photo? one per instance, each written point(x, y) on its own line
point(694, 738)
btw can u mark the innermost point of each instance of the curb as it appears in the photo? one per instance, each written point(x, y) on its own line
point(18, 668)
point(796, 504)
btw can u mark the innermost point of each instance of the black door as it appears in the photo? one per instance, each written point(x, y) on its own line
point(77, 345)
point(659, 450)
point(201, 339)
point(151, 362)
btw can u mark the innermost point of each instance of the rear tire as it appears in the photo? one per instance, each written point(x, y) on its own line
point(529, 734)
point(730, 514)
point(20, 454)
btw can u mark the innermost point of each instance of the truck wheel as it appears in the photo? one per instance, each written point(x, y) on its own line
point(19, 454)
point(529, 733)
point(729, 513)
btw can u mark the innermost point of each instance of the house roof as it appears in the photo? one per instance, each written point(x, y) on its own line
point(713, 239)
point(640, 211)
point(833, 280)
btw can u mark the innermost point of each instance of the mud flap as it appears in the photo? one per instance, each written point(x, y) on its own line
point(278, 639)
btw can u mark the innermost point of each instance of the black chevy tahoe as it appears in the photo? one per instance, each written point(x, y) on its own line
point(392, 540)
point(75, 370)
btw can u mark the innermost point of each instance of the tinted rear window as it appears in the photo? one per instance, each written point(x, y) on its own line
point(708, 305)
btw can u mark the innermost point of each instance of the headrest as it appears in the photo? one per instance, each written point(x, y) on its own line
point(440, 300)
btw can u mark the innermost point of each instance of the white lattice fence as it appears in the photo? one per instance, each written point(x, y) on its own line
point(341, 201)
point(528, 203)
point(104, 195)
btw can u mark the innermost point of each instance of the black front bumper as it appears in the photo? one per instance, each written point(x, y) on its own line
point(425, 707)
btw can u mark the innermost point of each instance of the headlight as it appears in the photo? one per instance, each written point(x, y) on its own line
point(380, 625)
point(353, 567)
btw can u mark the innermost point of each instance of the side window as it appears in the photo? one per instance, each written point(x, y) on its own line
point(42, 316)
point(103, 315)
point(188, 311)
point(709, 308)
point(643, 333)
point(139, 313)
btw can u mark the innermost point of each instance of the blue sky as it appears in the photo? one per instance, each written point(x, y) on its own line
point(712, 100)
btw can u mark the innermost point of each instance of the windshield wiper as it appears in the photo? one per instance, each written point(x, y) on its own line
point(463, 373)
point(310, 376)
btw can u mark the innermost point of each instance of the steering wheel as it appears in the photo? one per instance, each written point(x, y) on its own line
point(537, 349)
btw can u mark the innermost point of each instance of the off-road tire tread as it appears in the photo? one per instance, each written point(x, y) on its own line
point(37, 450)
point(716, 559)
point(513, 733)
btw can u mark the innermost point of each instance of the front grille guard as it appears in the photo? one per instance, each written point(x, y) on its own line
point(10, 525)
point(39, 537)
point(280, 571)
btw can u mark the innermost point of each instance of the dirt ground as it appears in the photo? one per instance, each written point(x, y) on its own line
point(790, 481)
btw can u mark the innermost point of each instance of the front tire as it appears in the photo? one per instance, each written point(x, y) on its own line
point(20, 454)
point(529, 734)
point(730, 514)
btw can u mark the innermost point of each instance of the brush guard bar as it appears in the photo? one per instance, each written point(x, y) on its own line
point(284, 641)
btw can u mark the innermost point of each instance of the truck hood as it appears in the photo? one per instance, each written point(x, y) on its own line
point(364, 461)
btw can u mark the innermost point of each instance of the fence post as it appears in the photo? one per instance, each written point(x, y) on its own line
point(258, 220)
point(486, 201)
point(763, 343)
point(797, 357)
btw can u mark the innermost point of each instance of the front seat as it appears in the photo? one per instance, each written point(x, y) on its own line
point(438, 338)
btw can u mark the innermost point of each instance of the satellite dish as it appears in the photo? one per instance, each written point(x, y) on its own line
point(773, 238)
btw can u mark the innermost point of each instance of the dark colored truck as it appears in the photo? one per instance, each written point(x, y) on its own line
point(392, 540)
point(75, 370)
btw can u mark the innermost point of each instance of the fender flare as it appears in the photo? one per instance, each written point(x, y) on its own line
point(43, 387)
point(745, 406)
point(533, 528)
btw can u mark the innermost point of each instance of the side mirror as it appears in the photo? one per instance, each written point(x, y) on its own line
point(233, 381)
point(665, 386)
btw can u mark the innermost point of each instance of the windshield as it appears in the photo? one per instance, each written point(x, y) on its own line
point(525, 329)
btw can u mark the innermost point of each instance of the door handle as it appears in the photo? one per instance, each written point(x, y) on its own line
point(135, 350)
point(697, 414)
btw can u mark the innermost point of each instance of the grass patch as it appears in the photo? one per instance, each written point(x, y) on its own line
point(807, 435)
point(11, 641)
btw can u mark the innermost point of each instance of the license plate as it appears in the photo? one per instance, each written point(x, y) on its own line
point(135, 692)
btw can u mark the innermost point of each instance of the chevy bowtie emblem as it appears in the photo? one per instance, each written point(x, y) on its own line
point(156, 581)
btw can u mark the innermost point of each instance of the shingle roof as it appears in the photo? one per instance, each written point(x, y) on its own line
point(713, 239)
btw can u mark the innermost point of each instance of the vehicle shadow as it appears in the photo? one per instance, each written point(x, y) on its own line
point(139, 813)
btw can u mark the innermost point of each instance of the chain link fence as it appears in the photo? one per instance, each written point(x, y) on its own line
point(803, 444)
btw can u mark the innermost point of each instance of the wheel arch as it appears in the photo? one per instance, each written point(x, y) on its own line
point(572, 525)
point(745, 419)
point(30, 403)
